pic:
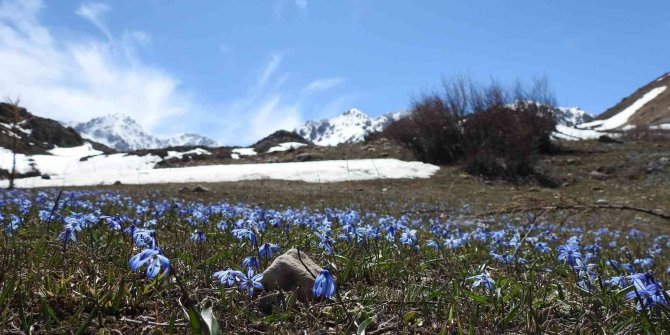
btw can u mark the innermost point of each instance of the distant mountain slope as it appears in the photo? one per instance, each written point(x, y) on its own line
point(572, 116)
point(36, 135)
point(276, 138)
point(647, 106)
point(350, 127)
point(125, 134)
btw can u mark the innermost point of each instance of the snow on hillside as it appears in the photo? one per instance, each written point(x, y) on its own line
point(350, 127)
point(620, 119)
point(286, 146)
point(125, 134)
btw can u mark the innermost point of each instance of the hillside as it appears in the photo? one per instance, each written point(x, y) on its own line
point(648, 106)
point(36, 135)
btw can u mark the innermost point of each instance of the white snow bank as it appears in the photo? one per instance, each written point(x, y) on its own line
point(574, 134)
point(664, 126)
point(80, 151)
point(179, 155)
point(245, 151)
point(622, 117)
point(125, 169)
point(286, 146)
point(66, 163)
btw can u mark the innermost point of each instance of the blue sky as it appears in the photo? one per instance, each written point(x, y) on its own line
point(237, 70)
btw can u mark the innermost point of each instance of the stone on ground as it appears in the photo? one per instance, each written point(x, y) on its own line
point(287, 273)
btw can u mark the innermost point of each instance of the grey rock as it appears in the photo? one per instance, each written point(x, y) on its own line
point(598, 175)
point(602, 202)
point(200, 189)
point(287, 273)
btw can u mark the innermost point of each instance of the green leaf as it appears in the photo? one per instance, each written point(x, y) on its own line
point(512, 313)
point(362, 326)
point(48, 311)
point(194, 321)
point(476, 297)
point(89, 319)
point(209, 319)
point(512, 293)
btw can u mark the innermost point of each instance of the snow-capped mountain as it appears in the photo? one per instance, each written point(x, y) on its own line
point(125, 134)
point(190, 140)
point(572, 116)
point(350, 127)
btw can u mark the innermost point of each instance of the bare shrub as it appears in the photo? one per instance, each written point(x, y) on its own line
point(432, 131)
point(493, 131)
point(503, 141)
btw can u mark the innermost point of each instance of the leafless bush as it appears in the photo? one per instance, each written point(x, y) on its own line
point(493, 131)
point(503, 141)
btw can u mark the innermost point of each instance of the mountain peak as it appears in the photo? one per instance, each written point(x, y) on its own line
point(120, 131)
point(349, 127)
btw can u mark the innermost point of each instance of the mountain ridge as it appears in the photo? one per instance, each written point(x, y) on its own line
point(349, 127)
point(121, 132)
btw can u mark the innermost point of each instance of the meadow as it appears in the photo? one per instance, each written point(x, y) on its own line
point(449, 255)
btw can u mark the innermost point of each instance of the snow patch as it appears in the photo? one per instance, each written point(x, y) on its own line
point(622, 117)
point(137, 170)
point(574, 134)
point(180, 155)
point(286, 146)
point(244, 151)
point(664, 126)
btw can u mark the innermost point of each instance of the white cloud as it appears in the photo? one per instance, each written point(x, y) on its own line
point(323, 84)
point(266, 108)
point(75, 80)
point(78, 77)
point(94, 12)
point(269, 70)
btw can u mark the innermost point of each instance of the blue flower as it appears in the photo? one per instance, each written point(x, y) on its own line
point(250, 281)
point(482, 279)
point(227, 277)
point(649, 295)
point(154, 260)
point(251, 262)
point(267, 249)
point(67, 235)
point(616, 281)
point(569, 253)
point(13, 225)
point(644, 262)
point(144, 238)
point(542, 247)
point(585, 270)
point(408, 237)
point(324, 285)
point(198, 236)
point(434, 245)
point(325, 242)
point(243, 233)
